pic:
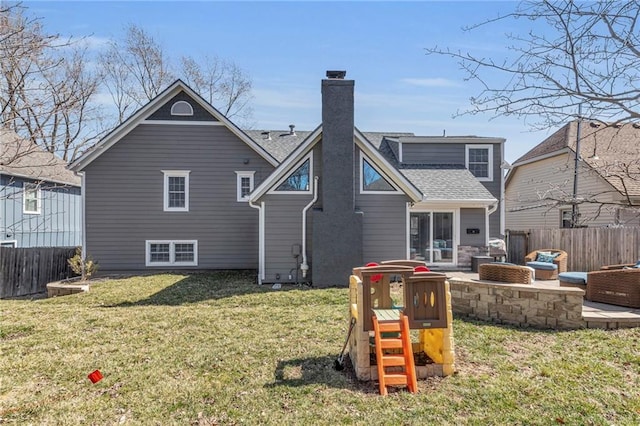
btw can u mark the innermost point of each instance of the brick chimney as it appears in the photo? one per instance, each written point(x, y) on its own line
point(337, 227)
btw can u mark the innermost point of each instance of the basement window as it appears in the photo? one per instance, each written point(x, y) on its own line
point(171, 253)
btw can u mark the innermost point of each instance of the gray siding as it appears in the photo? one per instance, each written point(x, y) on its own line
point(472, 218)
point(384, 222)
point(124, 197)
point(58, 223)
point(283, 227)
point(384, 226)
point(283, 217)
point(433, 153)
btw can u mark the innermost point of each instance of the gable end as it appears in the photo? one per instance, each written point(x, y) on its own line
point(199, 113)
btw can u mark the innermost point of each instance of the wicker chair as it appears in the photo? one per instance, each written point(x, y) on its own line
point(505, 273)
point(543, 274)
point(615, 287)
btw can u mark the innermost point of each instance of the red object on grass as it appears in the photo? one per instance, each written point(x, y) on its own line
point(421, 269)
point(95, 377)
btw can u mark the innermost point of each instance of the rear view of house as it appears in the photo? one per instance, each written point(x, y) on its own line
point(40, 202)
point(178, 186)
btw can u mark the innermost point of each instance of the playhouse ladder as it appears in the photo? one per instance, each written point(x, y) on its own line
point(385, 323)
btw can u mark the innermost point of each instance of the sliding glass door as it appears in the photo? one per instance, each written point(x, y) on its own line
point(432, 237)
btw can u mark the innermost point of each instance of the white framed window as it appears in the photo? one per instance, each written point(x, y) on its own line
point(479, 161)
point(298, 181)
point(31, 198)
point(171, 253)
point(244, 183)
point(9, 243)
point(182, 108)
point(372, 181)
point(176, 190)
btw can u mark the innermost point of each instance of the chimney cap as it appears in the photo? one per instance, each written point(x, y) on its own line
point(336, 74)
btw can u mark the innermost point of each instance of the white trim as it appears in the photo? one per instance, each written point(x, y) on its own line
point(489, 149)
point(239, 176)
point(285, 166)
point(172, 253)
point(13, 242)
point(408, 218)
point(399, 151)
point(189, 112)
point(183, 122)
point(165, 189)
point(309, 190)
point(395, 189)
point(392, 172)
point(29, 187)
point(455, 231)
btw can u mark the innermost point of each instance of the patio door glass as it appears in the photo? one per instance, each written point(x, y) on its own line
point(432, 237)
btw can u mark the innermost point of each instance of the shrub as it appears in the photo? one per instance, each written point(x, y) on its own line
point(84, 268)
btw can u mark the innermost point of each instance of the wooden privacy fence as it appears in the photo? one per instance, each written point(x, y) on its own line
point(25, 271)
point(588, 248)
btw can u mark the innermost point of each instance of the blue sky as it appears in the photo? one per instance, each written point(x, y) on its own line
point(286, 48)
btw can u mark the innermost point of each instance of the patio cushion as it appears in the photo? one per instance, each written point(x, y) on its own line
point(546, 257)
point(573, 277)
point(543, 265)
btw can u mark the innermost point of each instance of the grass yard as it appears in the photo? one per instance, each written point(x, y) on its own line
point(218, 349)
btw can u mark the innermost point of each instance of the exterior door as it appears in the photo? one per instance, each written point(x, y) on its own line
point(432, 237)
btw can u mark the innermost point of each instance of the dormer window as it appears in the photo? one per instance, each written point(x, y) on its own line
point(182, 108)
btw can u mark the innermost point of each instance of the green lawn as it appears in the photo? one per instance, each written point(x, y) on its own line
point(218, 349)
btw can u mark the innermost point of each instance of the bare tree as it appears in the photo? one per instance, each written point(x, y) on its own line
point(586, 53)
point(577, 59)
point(222, 83)
point(45, 87)
point(135, 70)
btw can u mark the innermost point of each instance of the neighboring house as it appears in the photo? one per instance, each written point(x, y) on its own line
point(39, 197)
point(178, 186)
point(540, 186)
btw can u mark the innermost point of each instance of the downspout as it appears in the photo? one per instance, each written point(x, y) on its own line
point(304, 267)
point(83, 225)
point(261, 268)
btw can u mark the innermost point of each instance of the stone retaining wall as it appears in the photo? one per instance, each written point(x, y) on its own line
point(522, 305)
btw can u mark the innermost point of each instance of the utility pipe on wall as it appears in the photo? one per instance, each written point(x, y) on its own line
point(304, 267)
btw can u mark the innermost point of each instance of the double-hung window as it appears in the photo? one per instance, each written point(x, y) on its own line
point(31, 198)
point(171, 253)
point(244, 185)
point(479, 161)
point(176, 190)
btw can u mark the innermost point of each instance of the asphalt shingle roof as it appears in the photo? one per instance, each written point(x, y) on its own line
point(278, 143)
point(19, 157)
point(612, 151)
point(436, 182)
point(447, 184)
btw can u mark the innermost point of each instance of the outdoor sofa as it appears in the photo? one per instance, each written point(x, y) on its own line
point(615, 285)
point(548, 263)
